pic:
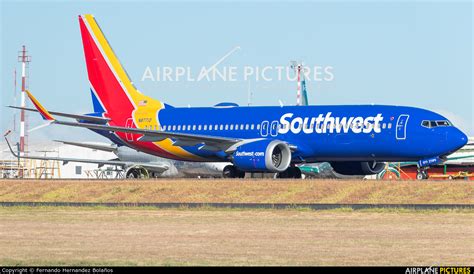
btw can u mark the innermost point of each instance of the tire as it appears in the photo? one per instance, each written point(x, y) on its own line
point(283, 174)
point(229, 172)
point(297, 173)
point(420, 176)
point(240, 174)
point(133, 174)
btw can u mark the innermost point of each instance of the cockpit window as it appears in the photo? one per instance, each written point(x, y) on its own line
point(443, 123)
point(438, 123)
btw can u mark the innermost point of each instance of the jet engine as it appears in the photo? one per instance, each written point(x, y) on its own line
point(262, 156)
point(358, 168)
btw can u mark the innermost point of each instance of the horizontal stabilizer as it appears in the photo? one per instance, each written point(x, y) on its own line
point(123, 164)
point(108, 148)
point(69, 115)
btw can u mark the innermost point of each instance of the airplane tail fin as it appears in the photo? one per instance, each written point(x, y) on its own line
point(112, 90)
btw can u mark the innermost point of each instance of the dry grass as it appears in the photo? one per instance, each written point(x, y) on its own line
point(255, 191)
point(73, 236)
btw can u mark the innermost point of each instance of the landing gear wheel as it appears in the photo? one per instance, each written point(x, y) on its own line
point(229, 172)
point(133, 174)
point(283, 174)
point(297, 174)
point(240, 174)
point(290, 172)
point(421, 175)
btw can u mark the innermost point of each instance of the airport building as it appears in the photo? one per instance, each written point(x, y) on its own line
point(11, 167)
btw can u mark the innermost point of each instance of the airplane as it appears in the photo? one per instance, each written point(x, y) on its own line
point(354, 139)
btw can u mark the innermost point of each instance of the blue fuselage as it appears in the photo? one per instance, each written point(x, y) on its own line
point(321, 133)
point(325, 133)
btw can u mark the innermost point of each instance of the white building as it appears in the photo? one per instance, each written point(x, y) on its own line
point(56, 169)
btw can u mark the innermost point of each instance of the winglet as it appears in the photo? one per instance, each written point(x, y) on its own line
point(44, 113)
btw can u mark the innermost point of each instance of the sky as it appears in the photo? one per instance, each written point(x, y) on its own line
point(414, 53)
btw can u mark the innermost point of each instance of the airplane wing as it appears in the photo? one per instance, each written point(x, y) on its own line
point(100, 163)
point(180, 139)
point(100, 120)
point(108, 148)
point(212, 143)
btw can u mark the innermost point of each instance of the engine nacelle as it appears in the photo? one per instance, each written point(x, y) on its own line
point(264, 155)
point(357, 168)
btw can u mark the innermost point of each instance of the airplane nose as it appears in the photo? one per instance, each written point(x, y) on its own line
point(457, 139)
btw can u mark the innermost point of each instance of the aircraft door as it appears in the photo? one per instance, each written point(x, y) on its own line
point(401, 129)
point(274, 129)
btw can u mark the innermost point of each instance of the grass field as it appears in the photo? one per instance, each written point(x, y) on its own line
point(77, 236)
point(246, 191)
point(211, 236)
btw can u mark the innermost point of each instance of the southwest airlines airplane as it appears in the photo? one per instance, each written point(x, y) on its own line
point(354, 139)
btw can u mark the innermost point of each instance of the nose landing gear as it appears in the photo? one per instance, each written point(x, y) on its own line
point(422, 173)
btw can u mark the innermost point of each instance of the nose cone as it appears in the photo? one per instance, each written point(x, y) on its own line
point(456, 139)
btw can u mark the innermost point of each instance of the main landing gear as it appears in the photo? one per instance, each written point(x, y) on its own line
point(231, 171)
point(290, 172)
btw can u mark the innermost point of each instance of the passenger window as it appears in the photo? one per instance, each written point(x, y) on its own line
point(246, 126)
point(232, 127)
point(258, 126)
point(252, 126)
point(389, 125)
point(199, 127)
point(226, 126)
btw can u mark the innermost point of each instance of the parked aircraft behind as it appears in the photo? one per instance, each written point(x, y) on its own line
point(176, 168)
point(354, 139)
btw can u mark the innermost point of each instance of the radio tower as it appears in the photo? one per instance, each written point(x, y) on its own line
point(24, 59)
point(297, 67)
point(14, 99)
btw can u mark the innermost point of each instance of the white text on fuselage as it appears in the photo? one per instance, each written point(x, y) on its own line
point(328, 124)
